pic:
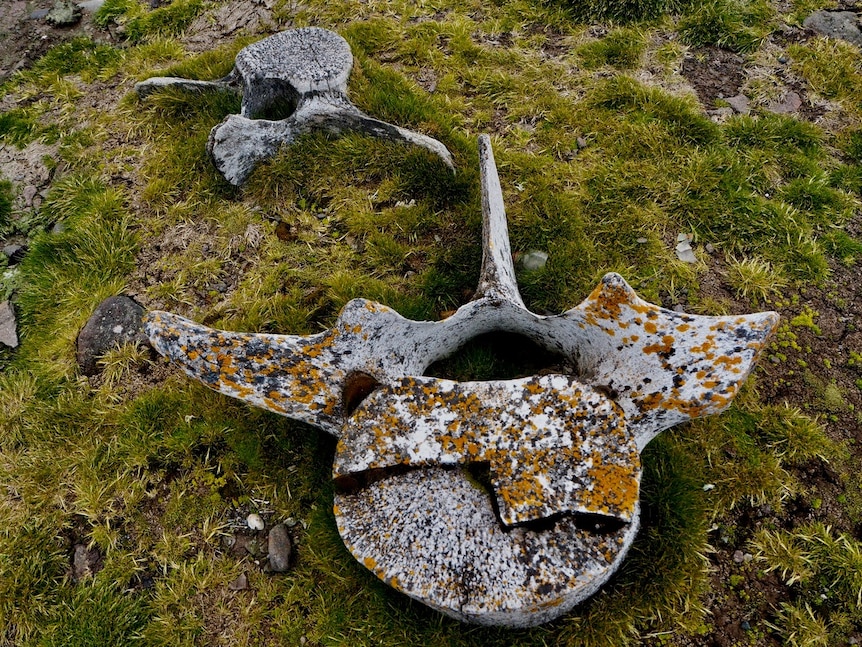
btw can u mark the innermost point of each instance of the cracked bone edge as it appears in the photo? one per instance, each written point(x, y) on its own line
point(158, 83)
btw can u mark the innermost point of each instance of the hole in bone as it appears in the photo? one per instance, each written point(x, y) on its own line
point(500, 356)
point(357, 387)
point(274, 100)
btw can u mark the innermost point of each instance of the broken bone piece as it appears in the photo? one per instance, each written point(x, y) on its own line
point(562, 451)
point(306, 69)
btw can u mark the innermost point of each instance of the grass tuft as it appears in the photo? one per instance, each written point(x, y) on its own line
point(754, 279)
point(738, 25)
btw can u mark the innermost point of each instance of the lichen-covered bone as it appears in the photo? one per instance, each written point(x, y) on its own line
point(553, 445)
point(307, 68)
point(562, 450)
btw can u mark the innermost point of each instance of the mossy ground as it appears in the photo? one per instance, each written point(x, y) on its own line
point(605, 156)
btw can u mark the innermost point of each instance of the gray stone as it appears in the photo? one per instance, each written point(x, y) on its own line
point(684, 251)
point(788, 104)
point(8, 326)
point(405, 505)
point(739, 103)
point(116, 321)
point(279, 549)
point(85, 562)
point(39, 14)
point(28, 194)
point(239, 584)
point(836, 24)
point(739, 557)
point(14, 253)
point(91, 6)
point(64, 14)
point(306, 68)
point(534, 260)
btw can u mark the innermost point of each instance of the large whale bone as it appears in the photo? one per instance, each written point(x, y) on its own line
point(306, 68)
point(563, 451)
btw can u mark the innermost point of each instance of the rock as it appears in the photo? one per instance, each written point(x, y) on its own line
point(29, 193)
point(836, 24)
point(58, 228)
point(91, 6)
point(709, 247)
point(791, 103)
point(63, 14)
point(84, 562)
point(8, 329)
point(722, 113)
point(279, 549)
point(14, 253)
point(116, 321)
point(739, 557)
point(745, 625)
point(685, 253)
point(239, 584)
point(534, 260)
point(254, 521)
point(247, 545)
point(581, 142)
point(38, 14)
point(739, 103)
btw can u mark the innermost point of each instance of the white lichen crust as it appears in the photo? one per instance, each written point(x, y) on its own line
point(433, 535)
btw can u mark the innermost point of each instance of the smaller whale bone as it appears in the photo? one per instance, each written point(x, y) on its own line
point(563, 450)
point(307, 68)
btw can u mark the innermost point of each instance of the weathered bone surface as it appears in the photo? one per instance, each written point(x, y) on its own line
point(306, 68)
point(562, 450)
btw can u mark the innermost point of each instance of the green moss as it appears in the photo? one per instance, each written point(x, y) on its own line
point(141, 24)
point(827, 570)
point(738, 25)
point(5, 205)
point(81, 55)
point(627, 10)
point(621, 48)
point(20, 126)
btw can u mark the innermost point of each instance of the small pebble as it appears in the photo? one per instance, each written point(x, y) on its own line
point(254, 521)
point(708, 486)
point(745, 625)
point(709, 247)
point(28, 194)
point(782, 60)
point(747, 557)
point(279, 549)
point(239, 584)
point(582, 143)
point(534, 260)
point(642, 240)
point(738, 557)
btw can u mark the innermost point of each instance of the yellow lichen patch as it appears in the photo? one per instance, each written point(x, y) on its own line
point(614, 487)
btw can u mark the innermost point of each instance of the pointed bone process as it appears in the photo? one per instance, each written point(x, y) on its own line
point(563, 450)
point(307, 68)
